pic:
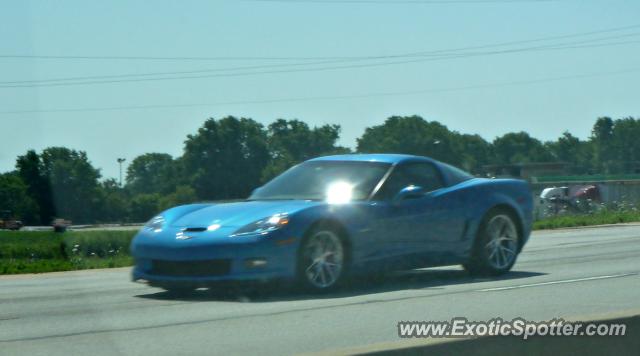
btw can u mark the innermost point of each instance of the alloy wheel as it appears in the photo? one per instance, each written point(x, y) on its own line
point(503, 242)
point(324, 259)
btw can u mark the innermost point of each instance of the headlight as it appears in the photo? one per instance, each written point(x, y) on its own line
point(263, 226)
point(155, 224)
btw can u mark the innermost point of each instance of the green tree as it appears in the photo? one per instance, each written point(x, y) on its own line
point(74, 183)
point(570, 149)
point(114, 202)
point(519, 147)
point(475, 152)
point(30, 170)
point(152, 173)
point(143, 207)
point(412, 135)
point(225, 158)
point(292, 141)
point(182, 195)
point(625, 144)
point(14, 196)
point(601, 136)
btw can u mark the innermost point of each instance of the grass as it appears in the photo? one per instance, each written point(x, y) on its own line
point(44, 251)
point(17, 266)
point(598, 218)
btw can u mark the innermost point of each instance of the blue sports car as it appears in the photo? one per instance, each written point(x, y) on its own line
point(333, 217)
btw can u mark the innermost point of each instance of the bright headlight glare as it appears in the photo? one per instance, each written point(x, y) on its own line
point(155, 224)
point(263, 226)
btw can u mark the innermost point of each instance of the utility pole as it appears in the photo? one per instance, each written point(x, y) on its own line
point(120, 161)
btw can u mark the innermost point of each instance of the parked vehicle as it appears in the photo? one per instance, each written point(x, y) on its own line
point(331, 217)
point(587, 192)
point(60, 225)
point(573, 199)
point(8, 222)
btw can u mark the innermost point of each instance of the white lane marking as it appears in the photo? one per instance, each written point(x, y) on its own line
point(558, 282)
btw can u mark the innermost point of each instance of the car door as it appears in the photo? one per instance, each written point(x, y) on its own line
point(418, 223)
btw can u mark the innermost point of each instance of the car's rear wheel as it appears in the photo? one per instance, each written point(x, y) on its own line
point(496, 247)
point(322, 260)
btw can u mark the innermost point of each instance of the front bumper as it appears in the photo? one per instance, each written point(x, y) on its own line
point(205, 260)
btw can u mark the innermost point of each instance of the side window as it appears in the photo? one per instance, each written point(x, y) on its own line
point(424, 175)
point(455, 175)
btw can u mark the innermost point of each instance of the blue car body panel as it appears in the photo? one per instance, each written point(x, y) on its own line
point(436, 229)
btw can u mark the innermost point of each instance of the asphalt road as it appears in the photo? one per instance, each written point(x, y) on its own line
point(572, 274)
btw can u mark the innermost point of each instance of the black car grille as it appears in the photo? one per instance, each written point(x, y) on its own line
point(191, 268)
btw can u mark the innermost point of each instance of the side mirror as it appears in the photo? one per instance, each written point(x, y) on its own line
point(410, 192)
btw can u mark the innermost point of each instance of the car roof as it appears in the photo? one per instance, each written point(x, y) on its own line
point(373, 157)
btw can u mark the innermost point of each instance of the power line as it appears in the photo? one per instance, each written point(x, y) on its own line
point(541, 39)
point(326, 68)
point(171, 73)
point(438, 53)
point(161, 58)
point(425, 2)
point(307, 58)
point(340, 97)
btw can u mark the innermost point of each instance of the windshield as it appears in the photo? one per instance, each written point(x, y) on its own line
point(324, 180)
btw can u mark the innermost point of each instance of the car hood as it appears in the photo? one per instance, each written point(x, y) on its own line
point(238, 214)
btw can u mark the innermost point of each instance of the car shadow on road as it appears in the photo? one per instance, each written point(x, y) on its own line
point(431, 279)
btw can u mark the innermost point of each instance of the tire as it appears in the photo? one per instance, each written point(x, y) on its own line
point(322, 263)
point(497, 245)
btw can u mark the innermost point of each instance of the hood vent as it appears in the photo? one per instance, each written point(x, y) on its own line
point(195, 229)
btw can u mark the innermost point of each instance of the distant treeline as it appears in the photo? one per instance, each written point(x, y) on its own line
point(229, 157)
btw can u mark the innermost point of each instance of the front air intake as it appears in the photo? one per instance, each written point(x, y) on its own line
point(195, 229)
point(205, 268)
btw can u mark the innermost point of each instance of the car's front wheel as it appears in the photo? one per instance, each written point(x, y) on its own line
point(496, 247)
point(322, 260)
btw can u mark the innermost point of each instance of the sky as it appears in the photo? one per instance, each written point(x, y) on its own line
point(484, 67)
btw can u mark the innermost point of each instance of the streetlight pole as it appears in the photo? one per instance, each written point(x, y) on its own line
point(120, 161)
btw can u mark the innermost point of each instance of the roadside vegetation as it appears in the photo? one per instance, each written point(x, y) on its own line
point(587, 213)
point(44, 251)
point(602, 217)
point(226, 158)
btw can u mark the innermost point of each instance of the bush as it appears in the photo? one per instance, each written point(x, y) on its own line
point(45, 251)
point(29, 245)
point(97, 243)
point(598, 218)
